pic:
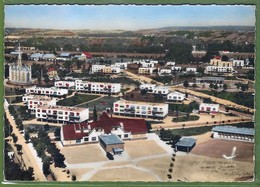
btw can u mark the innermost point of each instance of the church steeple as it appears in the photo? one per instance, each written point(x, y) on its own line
point(19, 62)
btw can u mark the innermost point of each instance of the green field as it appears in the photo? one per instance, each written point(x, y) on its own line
point(241, 98)
point(185, 118)
point(77, 99)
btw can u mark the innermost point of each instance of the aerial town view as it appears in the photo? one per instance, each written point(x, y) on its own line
point(129, 93)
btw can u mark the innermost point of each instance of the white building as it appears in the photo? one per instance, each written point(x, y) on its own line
point(97, 87)
point(140, 109)
point(123, 128)
point(56, 92)
point(164, 71)
point(233, 133)
point(217, 69)
point(97, 68)
point(62, 114)
point(64, 84)
point(170, 64)
point(191, 70)
point(49, 57)
point(147, 64)
point(238, 63)
point(64, 57)
point(33, 102)
point(36, 56)
point(146, 71)
point(115, 69)
point(164, 90)
point(19, 73)
point(176, 68)
point(175, 96)
point(121, 65)
point(209, 108)
point(148, 87)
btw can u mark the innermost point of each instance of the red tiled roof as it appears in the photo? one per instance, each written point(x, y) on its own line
point(51, 69)
point(69, 132)
point(135, 126)
point(88, 55)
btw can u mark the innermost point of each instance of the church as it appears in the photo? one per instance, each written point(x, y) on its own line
point(19, 73)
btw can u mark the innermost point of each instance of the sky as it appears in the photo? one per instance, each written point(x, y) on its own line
point(126, 17)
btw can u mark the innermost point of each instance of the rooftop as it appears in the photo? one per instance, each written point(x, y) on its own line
point(211, 78)
point(64, 108)
point(186, 142)
point(235, 130)
point(140, 103)
point(111, 139)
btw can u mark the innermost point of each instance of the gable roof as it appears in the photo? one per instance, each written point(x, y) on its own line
point(135, 126)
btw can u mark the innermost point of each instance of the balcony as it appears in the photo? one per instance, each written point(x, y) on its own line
point(157, 113)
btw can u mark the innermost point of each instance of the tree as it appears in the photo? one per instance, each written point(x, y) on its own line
point(95, 113)
point(18, 148)
point(15, 138)
point(46, 127)
point(225, 87)
point(26, 136)
point(211, 85)
point(194, 85)
point(186, 83)
point(74, 178)
point(224, 58)
point(46, 168)
point(57, 132)
point(215, 86)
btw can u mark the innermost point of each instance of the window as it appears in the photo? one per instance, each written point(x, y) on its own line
point(125, 135)
point(93, 138)
point(119, 136)
point(85, 139)
point(78, 141)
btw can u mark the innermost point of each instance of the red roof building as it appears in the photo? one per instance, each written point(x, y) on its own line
point(124, 128)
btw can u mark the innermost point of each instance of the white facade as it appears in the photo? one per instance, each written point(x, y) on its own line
point(97, 68)
point(165, 72)
point(193, 70)
point(121, 65)
point(62, 114)
point(97, 87)
point(140, 109)
point(19, 73)
point(147, 64)
point(208, 107)
point(170, 64)
point(175, 96)
point(164, 90)
point(148, 87)
point(176, 68)
point(33, 102)
point(47, 91)
point(218, 69)
point(64, 84)
point(238, 63)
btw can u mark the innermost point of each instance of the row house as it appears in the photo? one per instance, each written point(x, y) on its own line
point(33, 102)
point(64, 57)
point(97, 87)
point(140, 109)
point(64, 84)
point(62, 114)
point(218, 62)
point(209, 80)
point(217, 69)
point(123, 128)
point(40, 56)
point(147, 64)
point(238, 63)
point(208, 108)
point(111, 70)
point(52, 91)
point(148, 87)
point(176, 97)
point(146, 71)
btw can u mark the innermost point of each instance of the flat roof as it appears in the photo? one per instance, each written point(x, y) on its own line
point(111, 139)
point(186, 142)
point(234, 130)
point(64, 108)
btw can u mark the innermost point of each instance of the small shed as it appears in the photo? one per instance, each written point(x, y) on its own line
point(111, 143)
point(185, 144)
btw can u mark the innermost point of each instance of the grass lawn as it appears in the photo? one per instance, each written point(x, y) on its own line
point(184, 118)
point(77, 99)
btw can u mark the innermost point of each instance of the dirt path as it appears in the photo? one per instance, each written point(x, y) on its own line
point(28, 157)
point(141, 78)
